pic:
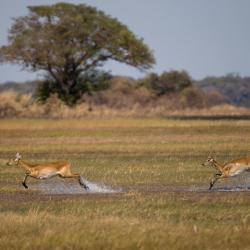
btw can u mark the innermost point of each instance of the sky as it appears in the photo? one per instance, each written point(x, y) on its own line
point(203, 37)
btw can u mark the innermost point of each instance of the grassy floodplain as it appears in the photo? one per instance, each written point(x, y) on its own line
point(155, 161)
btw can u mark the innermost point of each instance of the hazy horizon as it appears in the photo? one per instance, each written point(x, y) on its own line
point(205, 38)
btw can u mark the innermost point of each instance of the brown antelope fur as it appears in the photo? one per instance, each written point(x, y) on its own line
point(46, 170)
point(228, 169)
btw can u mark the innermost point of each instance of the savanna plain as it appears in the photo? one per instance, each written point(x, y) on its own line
point(164, 201)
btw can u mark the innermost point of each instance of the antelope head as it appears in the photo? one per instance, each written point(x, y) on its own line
point(14, 160)
point(210, 161)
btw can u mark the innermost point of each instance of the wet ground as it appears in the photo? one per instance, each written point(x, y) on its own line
point(58, 188)
point(61, 186)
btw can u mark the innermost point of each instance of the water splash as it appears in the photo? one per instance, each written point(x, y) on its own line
point(61, 186)
point(100, 188)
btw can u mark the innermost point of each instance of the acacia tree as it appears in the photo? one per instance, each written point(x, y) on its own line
point(67, 40)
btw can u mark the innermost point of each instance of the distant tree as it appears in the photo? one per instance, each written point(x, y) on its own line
point(67, 40)
point(168, 81)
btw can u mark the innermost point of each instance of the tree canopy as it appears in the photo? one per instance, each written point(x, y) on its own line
point(168, 81)
point(67, 40)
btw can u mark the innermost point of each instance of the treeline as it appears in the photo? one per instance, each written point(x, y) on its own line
point(172, 92)
point(233, 88)
point(171, 89)
point(28, 87)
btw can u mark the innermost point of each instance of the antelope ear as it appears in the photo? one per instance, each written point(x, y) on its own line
point(211, 153)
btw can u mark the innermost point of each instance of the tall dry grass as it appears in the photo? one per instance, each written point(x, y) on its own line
point(121, 101)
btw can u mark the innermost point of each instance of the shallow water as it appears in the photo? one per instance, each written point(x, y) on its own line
point(61, 186)
point(69, 186)
point(238, 183)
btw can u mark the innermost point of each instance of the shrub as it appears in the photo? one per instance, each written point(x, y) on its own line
point(14, 105)
point(167, 82)
point(195, 97)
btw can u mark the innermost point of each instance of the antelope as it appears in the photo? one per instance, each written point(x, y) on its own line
point(228, 169)
point(46, 170)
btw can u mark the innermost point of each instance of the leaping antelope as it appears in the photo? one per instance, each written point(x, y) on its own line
point(46, 170)
point(228, 169)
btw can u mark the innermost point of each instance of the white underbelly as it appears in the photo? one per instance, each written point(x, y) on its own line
point(239, 169)
point(237, 172)
point(47, 175)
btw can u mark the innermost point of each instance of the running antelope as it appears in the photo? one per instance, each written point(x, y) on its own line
point(228, 169)
point(46, 170)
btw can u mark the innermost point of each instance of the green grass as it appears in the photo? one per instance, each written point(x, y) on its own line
point(145, 157)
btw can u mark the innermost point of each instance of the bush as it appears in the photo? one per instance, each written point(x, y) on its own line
point(122, 93)
point(167, 82)
point(14, 104)
point(194, 97)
